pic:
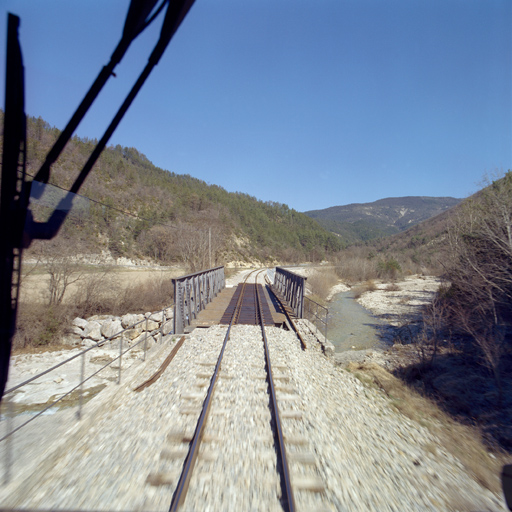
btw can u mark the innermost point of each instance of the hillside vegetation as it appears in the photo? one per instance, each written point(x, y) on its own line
point(169, 215)
point(463, 341)
point(367, 221)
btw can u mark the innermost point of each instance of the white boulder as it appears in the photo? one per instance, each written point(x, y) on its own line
point(131, 319)
point(77, 331)
point(168, 327)
point(93, 331)
point(151, 325)
point(156, 317)
point(79, 322)
point(131, 334)
point(111, 328)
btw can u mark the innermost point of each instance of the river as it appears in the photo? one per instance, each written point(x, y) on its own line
point(351, 326)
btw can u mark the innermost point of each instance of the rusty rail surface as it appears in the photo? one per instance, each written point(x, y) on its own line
point(162, 368)
point(287, 496)
point(248, 313)
point(251, 302)
point(181, 489)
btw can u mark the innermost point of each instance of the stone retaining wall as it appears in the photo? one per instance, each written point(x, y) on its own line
point(106, 329)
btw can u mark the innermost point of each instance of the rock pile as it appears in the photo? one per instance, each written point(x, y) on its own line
point(108, 329)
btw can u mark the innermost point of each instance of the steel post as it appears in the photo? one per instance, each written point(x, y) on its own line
point(145, 339)
point(120, 357)
point(8, 412)
point(81, 395)
point(162, 326)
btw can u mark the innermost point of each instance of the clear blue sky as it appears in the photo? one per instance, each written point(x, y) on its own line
point(312, 103)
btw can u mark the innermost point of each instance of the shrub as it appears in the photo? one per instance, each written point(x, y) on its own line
point(98, 293)
point(353, 265)
point(367, 286)
point(40, 325)
point(389, 269)
point(148, 296)
point(321, 282)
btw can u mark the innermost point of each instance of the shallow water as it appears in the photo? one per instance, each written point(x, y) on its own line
point(352, 327)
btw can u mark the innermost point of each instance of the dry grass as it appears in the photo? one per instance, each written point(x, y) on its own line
point(143, 297)
point(392, 287)
point(321, 282)
point(367, 286)
point(39, 349)
point(354, 268)
point(40, 326)
point(463, 442)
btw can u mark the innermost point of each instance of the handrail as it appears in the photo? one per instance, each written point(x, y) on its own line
point(193, 292)
point(83, 380)
point(314, 317)
point(292, 287)
point(98, 344)
point(69, 392)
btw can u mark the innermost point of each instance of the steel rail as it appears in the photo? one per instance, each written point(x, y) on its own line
point(284, 306)
point(180, 492)
point(162, 368)
point(288, 500)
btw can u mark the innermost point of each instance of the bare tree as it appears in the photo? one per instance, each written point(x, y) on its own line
point(480, 270)
point(197, 242)
point(158, 242)
point(59, 259)
point(98, 292)
point(490, 338)
point(433, 324)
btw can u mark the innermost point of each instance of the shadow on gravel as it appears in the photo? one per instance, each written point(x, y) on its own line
point(466, 390)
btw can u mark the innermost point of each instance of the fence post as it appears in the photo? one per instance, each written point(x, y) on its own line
point(81, 394)
point(7, 406)
point(145, 339)
point(162, 326)
point(120, 357)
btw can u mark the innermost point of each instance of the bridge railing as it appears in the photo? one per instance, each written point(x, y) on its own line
point(7, 404)
point(317, 315)
point(292, 287)
point(193, 292)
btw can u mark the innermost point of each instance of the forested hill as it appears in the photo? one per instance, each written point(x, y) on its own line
point(171, 214)
point(366, 221)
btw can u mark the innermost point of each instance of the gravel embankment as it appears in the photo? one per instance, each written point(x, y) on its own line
point(345, 440)
point(403, 304)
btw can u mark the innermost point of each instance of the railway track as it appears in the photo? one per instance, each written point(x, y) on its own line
point(167, 441)
point(242, 396)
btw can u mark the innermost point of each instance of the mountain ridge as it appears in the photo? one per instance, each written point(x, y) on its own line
point(366, 221)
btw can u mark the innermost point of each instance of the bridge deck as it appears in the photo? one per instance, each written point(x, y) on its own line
point(215, 310)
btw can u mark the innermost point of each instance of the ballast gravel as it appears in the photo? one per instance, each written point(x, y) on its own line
point(348, 448)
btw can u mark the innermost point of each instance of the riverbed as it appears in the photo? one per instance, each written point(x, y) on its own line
point(351, 326)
